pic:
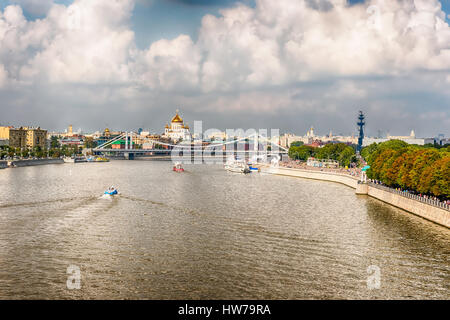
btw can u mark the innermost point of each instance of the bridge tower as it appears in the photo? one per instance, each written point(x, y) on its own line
point(361, 123)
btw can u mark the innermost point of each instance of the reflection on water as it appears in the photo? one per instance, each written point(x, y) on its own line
point(209, 234)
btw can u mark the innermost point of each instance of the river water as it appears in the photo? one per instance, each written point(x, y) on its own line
point(208, 234)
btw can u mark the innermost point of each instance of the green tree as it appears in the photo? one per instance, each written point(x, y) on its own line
point(422, 161)
point(297, 144)
point(25, 153)
point(422, 169)
point(90, 143)
point(54, 142)
point(366, 152)
point(347, 156)
point(404, 174)
point(301, 152)
point(331, 151)
point(440, 185)
point(391, 166)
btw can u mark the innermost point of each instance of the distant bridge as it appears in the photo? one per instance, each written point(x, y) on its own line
point(193, 149)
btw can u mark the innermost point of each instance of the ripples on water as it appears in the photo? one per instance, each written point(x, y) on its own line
point(207, 234)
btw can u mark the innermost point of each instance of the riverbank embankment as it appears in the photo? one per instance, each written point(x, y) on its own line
point(33, 162)
point(407, 202)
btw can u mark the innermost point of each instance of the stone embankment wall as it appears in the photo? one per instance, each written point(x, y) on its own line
point(3, 164)
point(316, 175)
point(432, 213)
point(34, 162)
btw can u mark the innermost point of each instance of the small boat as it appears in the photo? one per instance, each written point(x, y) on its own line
point(111, 192)
point(230, 163)
point(178, 168)
point(239, 167)
point(74, 159)
point(69, 160)
point(101, 159)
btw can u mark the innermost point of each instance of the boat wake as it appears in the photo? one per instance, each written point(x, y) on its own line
point(94, 206)
point(162, 204)
point(107, 197)
point(39, 203)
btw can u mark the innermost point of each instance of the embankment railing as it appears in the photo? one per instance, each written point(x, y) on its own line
point(432, 202)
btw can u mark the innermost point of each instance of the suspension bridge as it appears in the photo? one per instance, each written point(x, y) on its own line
point(131, 146)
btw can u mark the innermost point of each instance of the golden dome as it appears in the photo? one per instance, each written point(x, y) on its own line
point(177, 119)
point(106, 130)
point(167, 126)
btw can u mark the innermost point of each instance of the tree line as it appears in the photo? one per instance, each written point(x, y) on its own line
point(55, 150)
point(422, 169)
point(340, 152)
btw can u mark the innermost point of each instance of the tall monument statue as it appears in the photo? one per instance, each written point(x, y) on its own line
point(361, 123)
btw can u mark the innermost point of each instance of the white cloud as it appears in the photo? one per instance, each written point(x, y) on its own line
point(277, 36)
point(240, 57)
point(276, 43)
point(88, 42)
point(3, 76)
point(170, 64)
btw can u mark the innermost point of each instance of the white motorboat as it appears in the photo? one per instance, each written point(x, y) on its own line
point(238, 166)
point(74, 159)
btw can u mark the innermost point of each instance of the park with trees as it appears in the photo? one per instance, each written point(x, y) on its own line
point(56, 150)
point(340, 152)
point(419, 169)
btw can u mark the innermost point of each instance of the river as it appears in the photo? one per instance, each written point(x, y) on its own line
point(208, 234)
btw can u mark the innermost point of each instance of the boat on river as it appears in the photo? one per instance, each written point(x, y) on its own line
point(97, 159)
point(238, 166)
point(75, 159)
point(111, 192)
point(101, 159)
point(178, 167)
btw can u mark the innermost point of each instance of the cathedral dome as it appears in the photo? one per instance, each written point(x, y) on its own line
point(177, 119)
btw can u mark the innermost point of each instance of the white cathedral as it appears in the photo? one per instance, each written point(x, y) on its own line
point(177, 130)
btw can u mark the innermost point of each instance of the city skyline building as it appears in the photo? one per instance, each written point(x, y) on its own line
point(24, 137)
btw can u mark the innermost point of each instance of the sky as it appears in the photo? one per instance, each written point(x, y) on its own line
point(285, 64)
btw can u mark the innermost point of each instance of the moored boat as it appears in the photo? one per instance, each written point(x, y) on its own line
point(101, 159)
point(238, 166)
point(75, 159)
